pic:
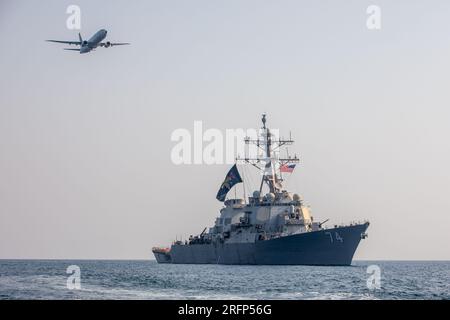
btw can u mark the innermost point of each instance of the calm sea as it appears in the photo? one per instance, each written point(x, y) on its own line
point(47, 279)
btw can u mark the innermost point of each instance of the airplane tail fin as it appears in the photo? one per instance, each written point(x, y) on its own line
point(79, 36)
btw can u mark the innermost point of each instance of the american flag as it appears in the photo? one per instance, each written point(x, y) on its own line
point(287, 168)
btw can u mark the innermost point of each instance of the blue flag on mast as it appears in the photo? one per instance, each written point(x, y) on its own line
point(233, 177)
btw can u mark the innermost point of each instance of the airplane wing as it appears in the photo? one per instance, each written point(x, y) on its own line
point(72, 49)
point(111, 44)
point(77, 43)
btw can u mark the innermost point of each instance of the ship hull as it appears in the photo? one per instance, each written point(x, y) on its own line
point(162, 257)
point(325, 247)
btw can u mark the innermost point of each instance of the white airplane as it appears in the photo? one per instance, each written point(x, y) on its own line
point(94, 42)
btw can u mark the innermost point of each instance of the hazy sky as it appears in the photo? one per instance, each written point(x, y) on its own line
point(85, 168)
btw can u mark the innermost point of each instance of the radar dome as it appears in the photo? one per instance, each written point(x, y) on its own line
point(270, 197)
point(256, 194)
point(297, 197)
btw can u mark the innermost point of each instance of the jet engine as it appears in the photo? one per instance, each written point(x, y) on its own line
point(107, 44)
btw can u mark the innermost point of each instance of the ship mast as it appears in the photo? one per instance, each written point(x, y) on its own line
point(269, 164)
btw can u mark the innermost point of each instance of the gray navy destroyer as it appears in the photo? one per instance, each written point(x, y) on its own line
point(275, 228)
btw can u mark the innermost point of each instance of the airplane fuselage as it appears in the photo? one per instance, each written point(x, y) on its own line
point(94, 41)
